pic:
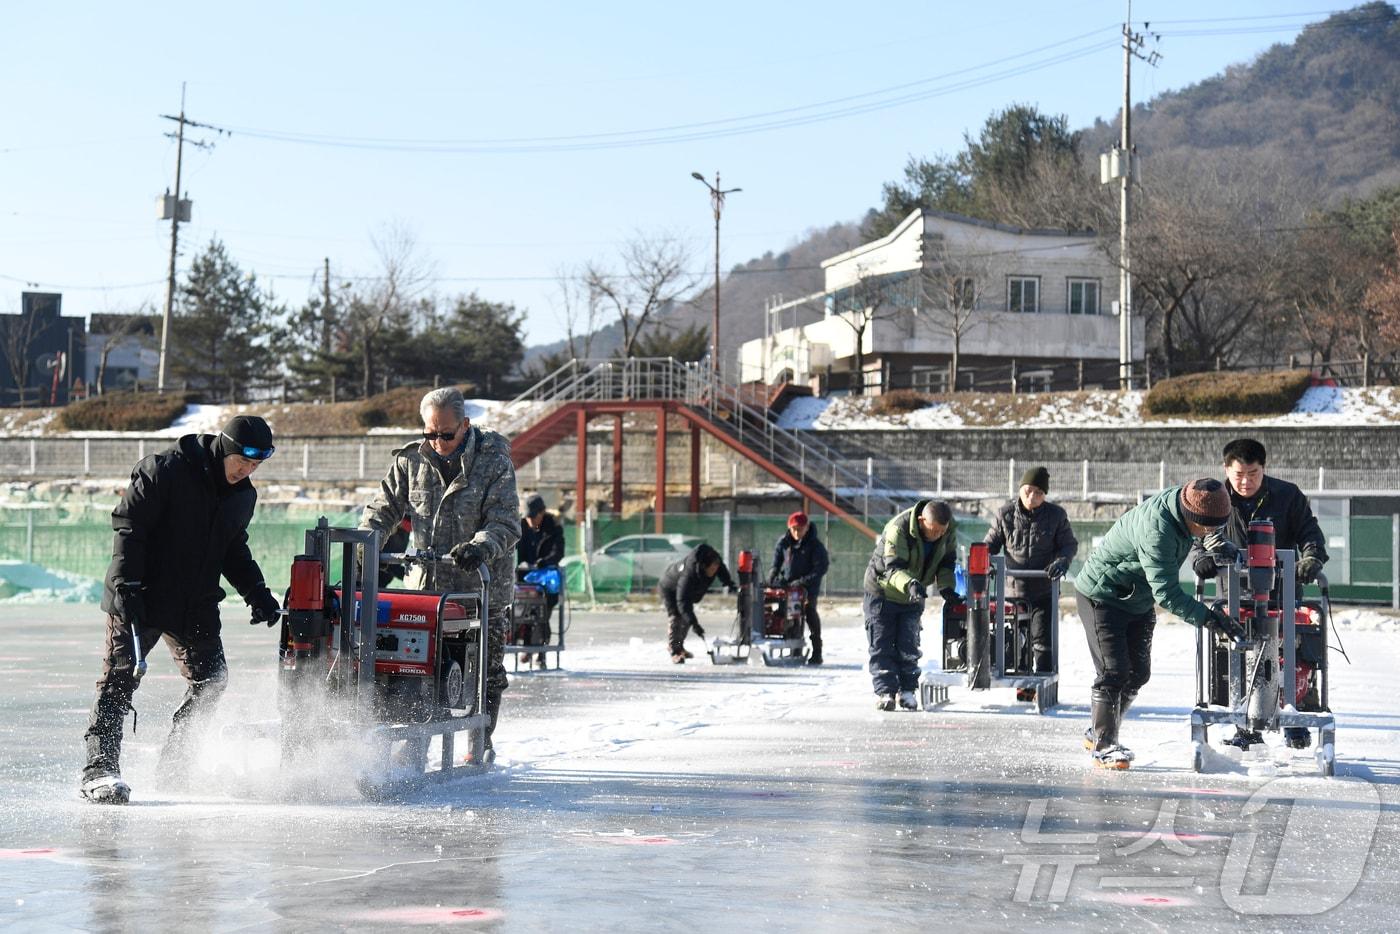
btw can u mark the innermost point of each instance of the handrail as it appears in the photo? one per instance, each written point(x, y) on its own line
point(724, 404)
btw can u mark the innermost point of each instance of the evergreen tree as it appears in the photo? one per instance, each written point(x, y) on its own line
point(218, 341)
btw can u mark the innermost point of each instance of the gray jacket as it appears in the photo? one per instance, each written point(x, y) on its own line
point(1031, 540)
point(479, 505)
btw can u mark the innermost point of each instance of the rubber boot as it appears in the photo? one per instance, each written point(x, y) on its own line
point(815, 658)
point(1105, 711)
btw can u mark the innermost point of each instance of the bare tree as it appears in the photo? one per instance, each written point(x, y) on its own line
point(949, 294)
point(580, 313)
point(18, 336)
point(871, 298)
point(652, 276)
point(135, 328)
point(389, 299)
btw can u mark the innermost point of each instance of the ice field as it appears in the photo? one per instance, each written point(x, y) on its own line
point(634, 795)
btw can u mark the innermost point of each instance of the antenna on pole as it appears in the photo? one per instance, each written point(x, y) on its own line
point(1121, 164)
point(175, 209)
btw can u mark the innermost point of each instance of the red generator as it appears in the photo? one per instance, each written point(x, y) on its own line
point(411, 670)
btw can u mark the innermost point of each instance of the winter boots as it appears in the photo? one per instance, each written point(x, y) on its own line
point(1101, 739)
point(908, 700)
point(1297, 737)
point(884, 702)
point(106, 789)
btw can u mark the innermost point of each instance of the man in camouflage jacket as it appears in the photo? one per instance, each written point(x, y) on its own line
point(457, 487)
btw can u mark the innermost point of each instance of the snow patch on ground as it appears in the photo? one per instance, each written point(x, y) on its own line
point(1320, 405)
point(21, 582)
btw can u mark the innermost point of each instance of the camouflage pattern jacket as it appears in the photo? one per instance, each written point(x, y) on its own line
point(480, 505)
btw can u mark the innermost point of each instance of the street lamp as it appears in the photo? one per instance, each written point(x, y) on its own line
point(717, 202)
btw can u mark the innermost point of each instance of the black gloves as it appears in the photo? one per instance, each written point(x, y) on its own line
point(1056, 569)
point(950, 596)
point(265, 607)
point(468, 556)
point(915, 590)
point(1204, 566)
point(1308, 568)
point(1208, 563)
point(129, 603)
point(1217, 622)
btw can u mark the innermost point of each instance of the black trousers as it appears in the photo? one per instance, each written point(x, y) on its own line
point(1041, 659)
point(1120, 644)
point(202, 665)
point(680, 620)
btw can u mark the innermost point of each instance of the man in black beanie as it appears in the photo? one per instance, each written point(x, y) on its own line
point(180, 525)
point(1036, 535)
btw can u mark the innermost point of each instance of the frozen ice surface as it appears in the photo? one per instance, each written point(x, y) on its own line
point(631, 794)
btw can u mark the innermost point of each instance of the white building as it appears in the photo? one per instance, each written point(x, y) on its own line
point(1033, 306)
point(134, 355)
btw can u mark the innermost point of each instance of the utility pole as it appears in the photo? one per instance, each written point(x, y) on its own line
point(175, 209)
point(717, 194)
point(1121, 164)
point(326, 307)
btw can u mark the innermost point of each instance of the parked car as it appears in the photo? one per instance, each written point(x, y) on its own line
point(633, 562)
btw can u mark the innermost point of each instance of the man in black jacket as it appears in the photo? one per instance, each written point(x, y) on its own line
point(1037, 537)
point(1255, 495)
point(541, 545)
point(683, 585)
point(800, 560)
point(182, 522)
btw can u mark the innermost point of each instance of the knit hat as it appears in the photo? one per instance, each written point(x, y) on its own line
point(1037, 477)
point(1205, 502)
point(534, 506)
point(247, 436)
point(797, 518)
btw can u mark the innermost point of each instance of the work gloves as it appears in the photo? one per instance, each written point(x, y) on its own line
point(915, 590)
point(1056, 569)
point(1208, 563)
point(468, 556)
point(129, 603)
point(265, 607)
point(950, 596)
point(1308, 568)
point(1222, 625)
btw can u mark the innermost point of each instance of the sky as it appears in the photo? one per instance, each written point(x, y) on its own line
point(512, 143)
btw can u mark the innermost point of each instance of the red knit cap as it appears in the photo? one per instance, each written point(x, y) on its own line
point(1205, 502)
point(797, 518)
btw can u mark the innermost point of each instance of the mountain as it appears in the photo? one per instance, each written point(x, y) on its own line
point(1325, 109)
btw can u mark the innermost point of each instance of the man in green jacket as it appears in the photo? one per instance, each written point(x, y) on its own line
point(914, 554)
point(1138, 564)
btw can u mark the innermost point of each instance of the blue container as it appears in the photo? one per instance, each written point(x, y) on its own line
point(548, 578)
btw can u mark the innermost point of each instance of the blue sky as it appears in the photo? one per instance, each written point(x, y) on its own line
point(505, 183)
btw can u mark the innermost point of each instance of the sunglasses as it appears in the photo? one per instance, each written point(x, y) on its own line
point(250, 452)
point(440, 435)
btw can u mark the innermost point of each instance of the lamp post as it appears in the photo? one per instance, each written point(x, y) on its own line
point(717, 202)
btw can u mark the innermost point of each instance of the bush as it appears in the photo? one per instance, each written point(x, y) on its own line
point(1216, 394)
point(899, 402)
point(397, 408)
point(125, 411)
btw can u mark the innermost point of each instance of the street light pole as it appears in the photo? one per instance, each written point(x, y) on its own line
point(717, 194)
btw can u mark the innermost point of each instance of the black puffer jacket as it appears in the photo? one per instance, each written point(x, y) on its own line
point(179, 526)
point(542, 547)
point(1031, 540)
point(803, 562)
point(1295, 526)
point(686, 578)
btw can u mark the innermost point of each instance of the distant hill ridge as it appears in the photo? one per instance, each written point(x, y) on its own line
point(1324, 108)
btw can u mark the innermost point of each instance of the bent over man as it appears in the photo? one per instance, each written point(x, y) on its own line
point(684, 584)
point(182, 522)
point(916, 552)
point(457, 486)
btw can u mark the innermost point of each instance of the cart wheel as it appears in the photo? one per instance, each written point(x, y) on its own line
point(451, 684)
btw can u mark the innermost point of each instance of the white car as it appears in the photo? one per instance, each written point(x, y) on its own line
point(635, 562)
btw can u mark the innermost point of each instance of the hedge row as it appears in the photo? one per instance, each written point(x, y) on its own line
point(397, 408)
point(1217, 394)
point(125, 411)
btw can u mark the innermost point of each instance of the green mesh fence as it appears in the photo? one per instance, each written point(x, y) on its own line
point(78, 539)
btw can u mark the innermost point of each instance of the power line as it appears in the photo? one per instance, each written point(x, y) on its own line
point(764, 121)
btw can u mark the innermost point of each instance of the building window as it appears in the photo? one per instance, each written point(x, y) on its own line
point(1083, 296)
point(964, 293)
point(1023, 294)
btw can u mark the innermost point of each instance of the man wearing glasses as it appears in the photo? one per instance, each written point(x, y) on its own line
point(457, 486)
point(180, 525)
